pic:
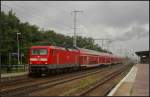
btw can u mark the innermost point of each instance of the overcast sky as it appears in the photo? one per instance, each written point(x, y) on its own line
point(124, 22)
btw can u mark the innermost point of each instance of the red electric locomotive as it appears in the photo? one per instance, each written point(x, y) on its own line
point(42, 59)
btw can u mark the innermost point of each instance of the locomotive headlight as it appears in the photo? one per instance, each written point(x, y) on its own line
point(43, 59)
point(33, 59)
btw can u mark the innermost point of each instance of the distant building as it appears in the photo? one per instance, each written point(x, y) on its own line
point(144, 56)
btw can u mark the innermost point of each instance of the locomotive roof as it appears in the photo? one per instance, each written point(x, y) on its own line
point(63, 48)
point(55, 47)
point(40, 46)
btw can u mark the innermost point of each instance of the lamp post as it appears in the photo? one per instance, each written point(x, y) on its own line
point(18, 47)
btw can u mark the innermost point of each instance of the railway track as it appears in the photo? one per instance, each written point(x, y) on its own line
point(9, 82)
point(17, 82)
point(104, 82)
point(23, 90)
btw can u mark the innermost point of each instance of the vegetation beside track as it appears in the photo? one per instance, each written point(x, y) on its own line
point(82, 84)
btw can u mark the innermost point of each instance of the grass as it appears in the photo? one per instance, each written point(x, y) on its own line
point(81, 85)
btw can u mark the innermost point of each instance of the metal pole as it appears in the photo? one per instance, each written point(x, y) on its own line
point(9, 66)
point(75, 43)
point(102, 44)
point(0, 61)
point(21, 58)
point(75, 22)
point(18, 48)
point(9, 59)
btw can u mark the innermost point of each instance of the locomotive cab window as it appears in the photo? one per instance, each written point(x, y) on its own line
point(39, 51)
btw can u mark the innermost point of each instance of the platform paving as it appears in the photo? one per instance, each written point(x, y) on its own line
point(135, 83)
point(13, 74)
point(141, 85)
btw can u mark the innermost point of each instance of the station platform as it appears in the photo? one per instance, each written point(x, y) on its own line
point(135, 83)
point(7, 75)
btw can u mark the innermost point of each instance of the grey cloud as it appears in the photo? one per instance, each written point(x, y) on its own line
point(113, 13)
point(118, 13)
point(136, 32)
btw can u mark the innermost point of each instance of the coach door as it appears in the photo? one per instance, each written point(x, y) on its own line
point(81, 60)
point(57, 58)
point(54, 56)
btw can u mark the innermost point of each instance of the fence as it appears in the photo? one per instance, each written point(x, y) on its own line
point(14, 68)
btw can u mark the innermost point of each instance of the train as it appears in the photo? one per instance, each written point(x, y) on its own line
point(47, 59)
